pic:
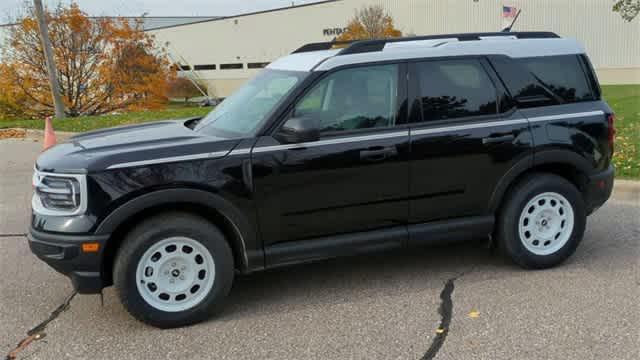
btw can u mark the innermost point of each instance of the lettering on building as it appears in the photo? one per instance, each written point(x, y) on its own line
point(334, 31)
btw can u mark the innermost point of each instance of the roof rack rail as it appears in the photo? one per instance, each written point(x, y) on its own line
point(377, 45)
point(321, 46)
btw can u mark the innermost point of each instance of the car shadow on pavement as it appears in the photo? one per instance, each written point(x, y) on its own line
point(423, 269)
point(349, 279)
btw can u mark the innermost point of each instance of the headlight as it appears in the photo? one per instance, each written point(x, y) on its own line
point(59, 194)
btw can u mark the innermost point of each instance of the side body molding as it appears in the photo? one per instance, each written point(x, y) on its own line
point(247, 242)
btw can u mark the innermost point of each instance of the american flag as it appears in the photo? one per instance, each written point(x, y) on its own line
point(509, 11)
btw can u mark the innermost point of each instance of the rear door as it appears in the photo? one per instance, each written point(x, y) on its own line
point(560, 97)
point(355, 178)
point(465, 135)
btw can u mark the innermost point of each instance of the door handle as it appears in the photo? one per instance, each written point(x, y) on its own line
point(378, 153)
point(498, 139)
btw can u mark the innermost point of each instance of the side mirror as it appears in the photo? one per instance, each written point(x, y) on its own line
point(299, 130)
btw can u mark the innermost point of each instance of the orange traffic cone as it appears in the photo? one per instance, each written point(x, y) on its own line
point(49, 134)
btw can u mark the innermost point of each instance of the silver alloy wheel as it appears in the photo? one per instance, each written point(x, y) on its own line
point(546, 223)
point(175, 274)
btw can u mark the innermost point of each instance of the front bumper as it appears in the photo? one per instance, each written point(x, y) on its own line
point(64, 254)
point(598, 189)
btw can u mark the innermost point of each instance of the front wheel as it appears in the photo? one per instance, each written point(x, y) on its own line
point(542, 221)
point(173, 270)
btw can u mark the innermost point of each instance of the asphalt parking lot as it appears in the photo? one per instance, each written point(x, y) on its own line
point(386, 306)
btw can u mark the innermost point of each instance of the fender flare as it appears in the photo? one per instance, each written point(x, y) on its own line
point(549, 156)
point(253, 255)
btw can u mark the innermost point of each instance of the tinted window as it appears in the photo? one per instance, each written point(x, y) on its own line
point(454, 89)
point(562, 75)
point(524, 88)
point(591, 75)
point(352, 99)
point(543, 81)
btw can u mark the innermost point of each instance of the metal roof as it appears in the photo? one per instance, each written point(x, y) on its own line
point(318, 2)
point(153, 22)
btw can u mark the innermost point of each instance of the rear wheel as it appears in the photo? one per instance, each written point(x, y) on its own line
point(542, 221)
point(173, 270)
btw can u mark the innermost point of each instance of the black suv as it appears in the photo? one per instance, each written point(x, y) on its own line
point(329, 152)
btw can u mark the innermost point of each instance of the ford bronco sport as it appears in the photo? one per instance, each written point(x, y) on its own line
point(329, 152)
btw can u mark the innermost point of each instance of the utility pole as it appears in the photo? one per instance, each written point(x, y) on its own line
point(48, 56)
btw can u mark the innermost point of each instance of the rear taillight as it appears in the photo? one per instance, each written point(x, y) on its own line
point(611, 118)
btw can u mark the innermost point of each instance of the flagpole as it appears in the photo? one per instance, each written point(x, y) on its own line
point(508, 28)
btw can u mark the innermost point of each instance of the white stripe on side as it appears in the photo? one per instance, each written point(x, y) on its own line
point(244, 151)
point(468, 126)
point(345, 140)
point(428, 131)
point(565, 116)
point(169, 159)
point(331, 141)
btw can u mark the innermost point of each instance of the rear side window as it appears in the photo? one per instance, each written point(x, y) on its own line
point(543, 81)
point(563, 75)
point(454, 89)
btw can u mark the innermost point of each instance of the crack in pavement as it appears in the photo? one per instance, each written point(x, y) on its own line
point(37, 333)
point(446, 312)
point(12, 235)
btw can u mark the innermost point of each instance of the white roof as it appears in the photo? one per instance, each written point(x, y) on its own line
point(302, 61)
point(509, 46)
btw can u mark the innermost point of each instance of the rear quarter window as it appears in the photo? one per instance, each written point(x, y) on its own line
point(542, 81)
point(563, 75)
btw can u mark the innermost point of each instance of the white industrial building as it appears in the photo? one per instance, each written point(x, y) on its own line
point(227, 51)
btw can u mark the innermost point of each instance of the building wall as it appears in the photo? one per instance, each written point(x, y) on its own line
point(612, 44)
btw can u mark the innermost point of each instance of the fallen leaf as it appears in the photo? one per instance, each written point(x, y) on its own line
point(474, 314)
point(439, 330)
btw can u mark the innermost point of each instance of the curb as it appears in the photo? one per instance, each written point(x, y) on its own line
point(39, 134)
point(36, 135)
point(627, 190)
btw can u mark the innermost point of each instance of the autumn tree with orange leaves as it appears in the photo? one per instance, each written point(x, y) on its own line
point(370, 22)
point(103, 65)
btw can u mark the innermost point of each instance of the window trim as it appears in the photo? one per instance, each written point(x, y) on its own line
point(401, 108)
point(416, 102)
point(590, 76)
point(501, 88)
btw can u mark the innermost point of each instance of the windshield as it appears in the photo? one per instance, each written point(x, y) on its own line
point(241, 114)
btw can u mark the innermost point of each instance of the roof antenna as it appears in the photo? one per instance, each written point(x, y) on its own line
point(508, 28)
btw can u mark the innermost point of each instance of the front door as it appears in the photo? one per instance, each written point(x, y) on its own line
point(355, 177)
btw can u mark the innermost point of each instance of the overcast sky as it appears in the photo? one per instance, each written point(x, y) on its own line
point(158, 7)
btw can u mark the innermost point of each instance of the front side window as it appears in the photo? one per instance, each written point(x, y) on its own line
point(454, 89)
point(352, 99)
point(242, 113)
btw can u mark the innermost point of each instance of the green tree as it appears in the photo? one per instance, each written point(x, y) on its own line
point(628, 9)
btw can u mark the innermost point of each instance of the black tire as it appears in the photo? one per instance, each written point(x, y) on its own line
point(153, 230)
point(507, 231)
